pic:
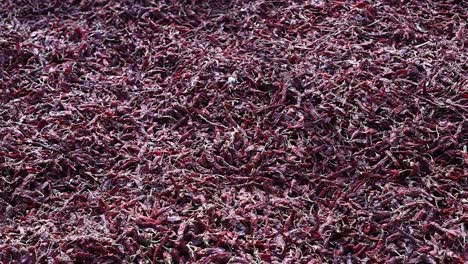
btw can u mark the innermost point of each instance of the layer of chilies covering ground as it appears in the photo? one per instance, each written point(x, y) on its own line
point(233, 131)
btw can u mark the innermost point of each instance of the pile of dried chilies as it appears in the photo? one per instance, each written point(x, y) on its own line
point(233, 131)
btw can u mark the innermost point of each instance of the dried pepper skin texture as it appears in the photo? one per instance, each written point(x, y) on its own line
point(238, 131)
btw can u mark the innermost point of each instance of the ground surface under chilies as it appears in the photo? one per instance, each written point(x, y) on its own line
point(233, 131)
